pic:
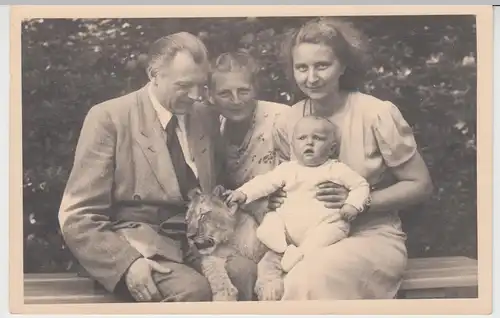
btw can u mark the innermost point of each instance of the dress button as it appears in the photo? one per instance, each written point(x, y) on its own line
point(137, 197)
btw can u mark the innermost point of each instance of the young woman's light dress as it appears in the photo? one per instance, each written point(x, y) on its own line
point(369, 264)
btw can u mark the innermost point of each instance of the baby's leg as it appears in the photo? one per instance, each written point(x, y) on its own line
point(291, 257)
point(324, 234)
point(271, 232)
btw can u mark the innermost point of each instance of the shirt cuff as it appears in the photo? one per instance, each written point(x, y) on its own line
point(356, 203)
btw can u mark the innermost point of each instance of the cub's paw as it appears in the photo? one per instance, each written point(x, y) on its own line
point(270, 291)
point(228, 293)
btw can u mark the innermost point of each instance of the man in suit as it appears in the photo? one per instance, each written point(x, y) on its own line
point(137, 157)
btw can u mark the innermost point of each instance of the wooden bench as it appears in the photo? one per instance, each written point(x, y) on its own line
point(442, 277)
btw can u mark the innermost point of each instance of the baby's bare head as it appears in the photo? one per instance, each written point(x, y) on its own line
point(309, 123)
point(314, 140)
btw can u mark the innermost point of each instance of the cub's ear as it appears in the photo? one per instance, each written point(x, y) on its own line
point(210, 99)
point(233, 208)
point(218, 191)
point(194, 193)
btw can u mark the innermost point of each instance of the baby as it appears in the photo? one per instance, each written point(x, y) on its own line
point(303, 223)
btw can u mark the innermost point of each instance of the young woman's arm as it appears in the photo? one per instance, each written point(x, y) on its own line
point(414, 186)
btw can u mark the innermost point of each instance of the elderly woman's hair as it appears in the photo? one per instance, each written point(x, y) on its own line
point(348, 44)
point(235, 61)
point(165, 49)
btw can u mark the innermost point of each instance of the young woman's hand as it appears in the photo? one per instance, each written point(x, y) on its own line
point(276, 199)
point(332, 194)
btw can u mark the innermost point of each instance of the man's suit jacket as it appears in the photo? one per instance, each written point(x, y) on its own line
point(109, 215)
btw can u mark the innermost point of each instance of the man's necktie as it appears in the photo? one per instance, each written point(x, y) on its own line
point(185, 176)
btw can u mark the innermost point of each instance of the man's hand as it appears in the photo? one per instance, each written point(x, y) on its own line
point(348, 212)
point(332, 194)
point(140, 282)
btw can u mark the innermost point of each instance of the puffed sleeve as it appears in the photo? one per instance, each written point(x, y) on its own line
point(393, 135)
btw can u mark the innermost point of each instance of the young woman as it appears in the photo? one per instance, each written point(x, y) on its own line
point(325, 59)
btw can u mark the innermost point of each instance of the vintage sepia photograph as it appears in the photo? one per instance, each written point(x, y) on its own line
point(262, 156)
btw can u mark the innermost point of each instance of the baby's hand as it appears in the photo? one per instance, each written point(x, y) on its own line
point(348, 212)
point(237, 197)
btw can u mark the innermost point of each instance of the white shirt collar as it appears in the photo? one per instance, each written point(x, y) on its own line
point(163, 114)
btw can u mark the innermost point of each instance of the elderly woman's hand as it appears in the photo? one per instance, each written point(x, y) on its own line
point(332, 194)
point(276, 199)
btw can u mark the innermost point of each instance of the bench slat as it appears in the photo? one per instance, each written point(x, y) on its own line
point(444, 282)
point(71, 299)
point(437, 273)
point(53, 276)
point(440, 262)
point(61, 290)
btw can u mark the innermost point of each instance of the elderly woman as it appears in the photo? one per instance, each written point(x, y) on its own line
point(326, 59)
point(246, 122)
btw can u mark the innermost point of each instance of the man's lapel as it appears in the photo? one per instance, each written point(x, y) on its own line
point(151, 138)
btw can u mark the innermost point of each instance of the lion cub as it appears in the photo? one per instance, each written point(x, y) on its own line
point(219, 231)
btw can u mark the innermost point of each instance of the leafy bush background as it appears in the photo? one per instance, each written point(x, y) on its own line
point(424, 64)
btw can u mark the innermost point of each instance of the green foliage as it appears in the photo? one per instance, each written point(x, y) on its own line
point(425, 65)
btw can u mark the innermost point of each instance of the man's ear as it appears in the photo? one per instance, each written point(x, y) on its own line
point(149, 73)
point(218, 191)
point(193, 193)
